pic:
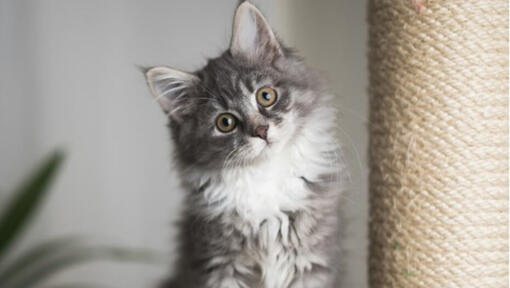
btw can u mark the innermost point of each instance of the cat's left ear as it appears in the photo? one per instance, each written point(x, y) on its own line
point(170, 88)
point(252, 37)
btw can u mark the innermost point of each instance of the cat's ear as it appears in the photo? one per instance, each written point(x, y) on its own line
point(169, 87)
point(252, 36)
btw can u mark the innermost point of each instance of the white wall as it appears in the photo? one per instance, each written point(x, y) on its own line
point(68, 78)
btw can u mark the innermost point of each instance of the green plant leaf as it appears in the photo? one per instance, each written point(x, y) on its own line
point(26, 199)
point(80, 256)
point(35, 256)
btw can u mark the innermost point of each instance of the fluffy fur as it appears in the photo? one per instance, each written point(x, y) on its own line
point(259, 212)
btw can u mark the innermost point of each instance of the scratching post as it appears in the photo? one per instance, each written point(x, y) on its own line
point(438, 148)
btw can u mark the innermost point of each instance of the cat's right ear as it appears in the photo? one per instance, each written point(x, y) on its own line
point(169, 87)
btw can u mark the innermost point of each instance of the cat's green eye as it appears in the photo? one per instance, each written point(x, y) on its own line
point(226, 122)
point(266, 96)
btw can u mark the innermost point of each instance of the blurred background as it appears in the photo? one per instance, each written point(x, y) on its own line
point(69, 79)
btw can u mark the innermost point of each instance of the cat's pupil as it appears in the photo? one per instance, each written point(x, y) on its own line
point(266, 96)
point(226, 122)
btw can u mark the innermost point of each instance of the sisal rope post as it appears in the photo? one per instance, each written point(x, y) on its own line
point(439, 140)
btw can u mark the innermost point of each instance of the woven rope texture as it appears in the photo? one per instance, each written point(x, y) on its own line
point(439, 138)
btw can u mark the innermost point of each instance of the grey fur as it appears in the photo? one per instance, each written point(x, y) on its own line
point(227, 239)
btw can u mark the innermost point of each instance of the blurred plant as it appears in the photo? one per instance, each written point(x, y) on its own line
point(39, 263)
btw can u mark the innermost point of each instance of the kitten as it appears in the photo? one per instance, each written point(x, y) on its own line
point(254, 133)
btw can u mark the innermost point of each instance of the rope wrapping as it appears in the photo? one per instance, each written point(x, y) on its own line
point(439, 143)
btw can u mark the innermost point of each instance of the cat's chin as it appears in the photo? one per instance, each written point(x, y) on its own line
point(260, 151)
point(260, 148)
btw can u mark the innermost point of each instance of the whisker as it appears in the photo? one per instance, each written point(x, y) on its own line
point(352, 112)
point(227, 160)
point(356, 151)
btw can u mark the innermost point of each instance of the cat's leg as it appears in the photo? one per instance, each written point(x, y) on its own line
point(220, 276)
point(317, 253)
point(236, 274)
point(216, 254)
point(315, 279)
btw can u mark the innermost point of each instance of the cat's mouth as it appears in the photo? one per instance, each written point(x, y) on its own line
point(255, 151)
point(260, 148)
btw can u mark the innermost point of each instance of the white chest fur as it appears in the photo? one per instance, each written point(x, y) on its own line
point(259, 192)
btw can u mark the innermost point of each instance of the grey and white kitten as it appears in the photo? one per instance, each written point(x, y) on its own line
point(254, 133)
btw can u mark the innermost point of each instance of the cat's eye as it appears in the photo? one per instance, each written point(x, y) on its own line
point(266, 96)
point(226, 122)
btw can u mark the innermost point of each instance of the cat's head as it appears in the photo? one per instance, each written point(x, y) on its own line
point(242, 107)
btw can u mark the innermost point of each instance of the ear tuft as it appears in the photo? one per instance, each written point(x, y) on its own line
point(169, 86)
point(252, 37)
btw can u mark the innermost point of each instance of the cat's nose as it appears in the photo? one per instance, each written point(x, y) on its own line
point(261, 132)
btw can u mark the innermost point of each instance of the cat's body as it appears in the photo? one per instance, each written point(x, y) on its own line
point(263, 192)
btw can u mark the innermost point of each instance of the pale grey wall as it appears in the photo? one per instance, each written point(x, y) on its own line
point(68, 79)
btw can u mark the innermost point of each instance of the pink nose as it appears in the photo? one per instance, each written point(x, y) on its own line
point(261, 131)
